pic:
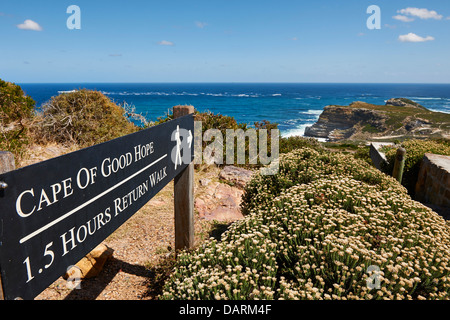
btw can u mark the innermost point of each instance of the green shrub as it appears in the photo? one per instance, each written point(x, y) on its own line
point(83, 117)
point(317, 240)
point(220, 122)
point(371, 129)
point(296, 142)
point(363, 153)
point(209, 121)
point(223, 123)
point(15, 115)
point(415, 150)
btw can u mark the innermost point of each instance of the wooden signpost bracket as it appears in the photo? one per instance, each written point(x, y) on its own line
point(184, 197)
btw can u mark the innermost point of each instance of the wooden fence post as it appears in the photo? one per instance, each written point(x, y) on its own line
point(6, 164)
point(184, 197)
point(399, 164)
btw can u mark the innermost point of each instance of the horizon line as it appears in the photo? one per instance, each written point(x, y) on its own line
point(232, 82)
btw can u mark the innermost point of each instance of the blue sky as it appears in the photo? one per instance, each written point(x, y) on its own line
point(225, 41)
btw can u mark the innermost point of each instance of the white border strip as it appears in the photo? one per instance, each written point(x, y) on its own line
point(35, 233)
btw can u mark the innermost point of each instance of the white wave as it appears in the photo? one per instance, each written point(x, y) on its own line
point(158, 93)
point(312, 112)
point(276, 95)
point(440, 110)
point(68, 91)
point(149, 93)
point(421, 98)
point(315, 97)
point(300, 131)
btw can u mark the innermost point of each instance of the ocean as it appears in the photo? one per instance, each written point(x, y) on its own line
point(292, 105)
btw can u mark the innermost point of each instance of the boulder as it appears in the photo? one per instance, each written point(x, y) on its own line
point(415, 124)
point(396, 102)
point(220, 203)
point(236, 176)
point(204, 182)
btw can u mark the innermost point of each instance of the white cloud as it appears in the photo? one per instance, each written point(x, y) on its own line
point(200, 24)
point(403, 18)
point(412, 37)
point(421, 13)
point(30, 25)
point(166, 43)
point(390, 26)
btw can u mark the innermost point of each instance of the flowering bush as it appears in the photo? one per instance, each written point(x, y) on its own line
point(322, 239)
point(415, 150)
point(306, 165)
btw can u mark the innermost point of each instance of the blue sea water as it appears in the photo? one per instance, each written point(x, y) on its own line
point(292, 105)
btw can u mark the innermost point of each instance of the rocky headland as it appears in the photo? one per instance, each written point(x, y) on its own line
point(399, 117)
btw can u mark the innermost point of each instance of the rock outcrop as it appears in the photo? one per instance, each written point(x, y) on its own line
point(221, 204)
point(402, 102)
point(221, 201)
point(235, 175)
point(336, 123)
point(360, 120)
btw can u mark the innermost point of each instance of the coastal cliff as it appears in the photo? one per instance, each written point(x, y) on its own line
point(399, 117)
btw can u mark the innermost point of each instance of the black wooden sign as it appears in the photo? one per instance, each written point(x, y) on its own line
point(55, 212)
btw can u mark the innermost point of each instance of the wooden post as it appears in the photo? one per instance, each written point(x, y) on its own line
point(184, 197)
point(399, 164)
point(2, 296)
point(6, 164)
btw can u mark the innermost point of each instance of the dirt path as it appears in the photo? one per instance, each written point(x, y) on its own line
point(142, 258)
